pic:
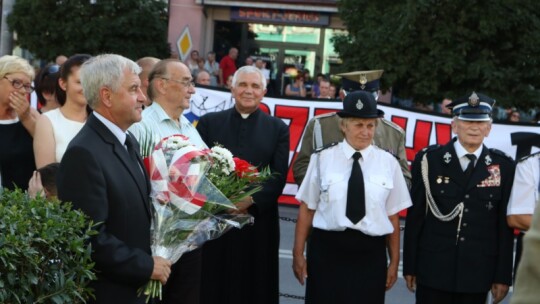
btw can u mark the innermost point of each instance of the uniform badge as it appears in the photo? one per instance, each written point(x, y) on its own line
point(447, 157)
point(446, 180)
point(363, 81)
point(488, 160)
point(494, 178)
point(359, 104)
point(473, 100)
point(489, 206)
point(439, 179)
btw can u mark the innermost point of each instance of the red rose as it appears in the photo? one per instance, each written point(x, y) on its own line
point(243, 168)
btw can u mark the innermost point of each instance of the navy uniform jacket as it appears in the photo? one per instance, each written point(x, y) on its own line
point(99, 177)
point(482, 255)
point(242, 265)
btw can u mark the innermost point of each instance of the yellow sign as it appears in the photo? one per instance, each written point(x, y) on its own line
point(184, 44)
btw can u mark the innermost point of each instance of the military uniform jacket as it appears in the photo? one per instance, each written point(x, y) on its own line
point(482, 253)
point(388, 136)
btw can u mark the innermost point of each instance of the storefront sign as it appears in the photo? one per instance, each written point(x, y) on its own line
point(279, 16)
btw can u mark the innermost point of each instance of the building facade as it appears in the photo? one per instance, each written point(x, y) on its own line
point(289, 35)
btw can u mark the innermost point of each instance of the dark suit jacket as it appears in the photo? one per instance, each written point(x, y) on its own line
point(99, 177)
point(482, 255)
point(250, 255)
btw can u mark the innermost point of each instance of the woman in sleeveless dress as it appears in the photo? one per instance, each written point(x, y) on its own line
point(56, 128)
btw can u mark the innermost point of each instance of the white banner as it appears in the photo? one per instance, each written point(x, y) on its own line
point(422, 128)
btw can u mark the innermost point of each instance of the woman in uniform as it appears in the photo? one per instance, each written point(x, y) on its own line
point(351, 196)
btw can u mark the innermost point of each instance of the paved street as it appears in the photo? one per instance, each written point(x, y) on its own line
point(292, 292)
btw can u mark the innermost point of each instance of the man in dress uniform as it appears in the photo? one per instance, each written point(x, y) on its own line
point(324, 129)
point(457, 244)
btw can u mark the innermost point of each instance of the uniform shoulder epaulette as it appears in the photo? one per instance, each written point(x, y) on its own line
point(501, 153)
point(329, 114)
point(428, 149)
point(536, 154)
point(394, 155)
point(392, 124)
point(325, 147)
point(431, 148)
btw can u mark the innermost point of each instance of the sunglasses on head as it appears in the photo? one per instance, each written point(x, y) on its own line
point(53, 69)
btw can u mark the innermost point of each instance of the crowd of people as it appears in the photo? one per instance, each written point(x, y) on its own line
point(463, 198)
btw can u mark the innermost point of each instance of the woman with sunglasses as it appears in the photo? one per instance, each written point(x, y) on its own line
point(17, 122)
point(45, 83)
point(56, 128)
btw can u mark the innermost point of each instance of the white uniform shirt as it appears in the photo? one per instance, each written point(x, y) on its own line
point(524, 195)
point(386, 192)
point(156, 120)
point(462, 154)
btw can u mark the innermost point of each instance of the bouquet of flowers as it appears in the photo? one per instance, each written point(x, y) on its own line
point(234, 177)
point(189, 208)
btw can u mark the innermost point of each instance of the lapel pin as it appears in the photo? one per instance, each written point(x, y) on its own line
point(488, 160)
point(447, 157)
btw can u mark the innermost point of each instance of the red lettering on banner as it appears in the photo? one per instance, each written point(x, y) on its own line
point(299, 118)
point(443, 133)
point(422, 132)
point(400, 121)
point(264, 107)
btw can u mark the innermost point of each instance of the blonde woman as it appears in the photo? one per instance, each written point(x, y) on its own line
point(17, 122)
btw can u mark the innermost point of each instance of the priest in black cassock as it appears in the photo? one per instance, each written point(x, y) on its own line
point(242, 265)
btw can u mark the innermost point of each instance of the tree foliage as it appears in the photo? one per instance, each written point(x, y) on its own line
point(132, 28)
point(435, 48)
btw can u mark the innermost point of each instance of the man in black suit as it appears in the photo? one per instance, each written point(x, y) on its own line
point(242, 265)
point(102, 174)
point(457, 244)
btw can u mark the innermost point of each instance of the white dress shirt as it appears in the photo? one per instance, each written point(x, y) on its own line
point(524, 195)
point(155, 119)
point(115, 130)
point(386, 191)
point(461, 154)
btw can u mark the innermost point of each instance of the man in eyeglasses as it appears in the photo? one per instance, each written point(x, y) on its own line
point(170, 88)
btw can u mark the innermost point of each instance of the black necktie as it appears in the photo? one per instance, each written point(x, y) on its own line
point(132, 153)
point(356, 208)
point(470, 166)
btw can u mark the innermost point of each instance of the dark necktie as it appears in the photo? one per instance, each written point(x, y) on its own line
point(132, 153)
point(356, 208)
point(470, 166)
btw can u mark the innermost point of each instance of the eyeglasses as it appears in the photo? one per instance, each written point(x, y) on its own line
point(17, 84)
point(185, 83)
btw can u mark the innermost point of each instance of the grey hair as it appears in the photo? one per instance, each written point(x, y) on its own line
point(106, 70)
point(246, 70)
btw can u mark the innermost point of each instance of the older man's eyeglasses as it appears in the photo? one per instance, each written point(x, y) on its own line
point(185, 83)
point(17, 84)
